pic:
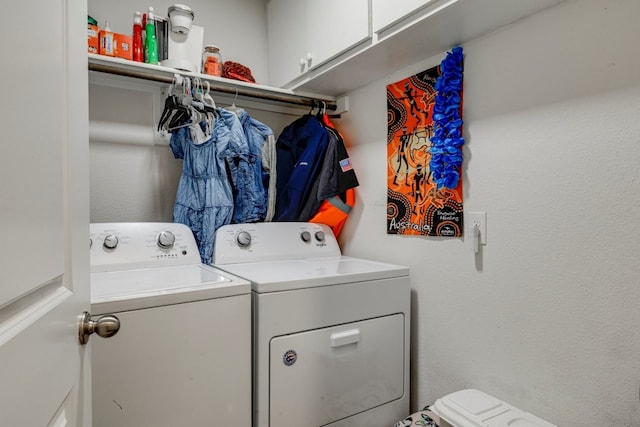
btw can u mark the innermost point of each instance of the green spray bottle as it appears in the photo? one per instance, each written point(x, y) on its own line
point(151, 43)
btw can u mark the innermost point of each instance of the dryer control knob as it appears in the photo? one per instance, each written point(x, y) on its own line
point(110, 241)
point(243, 239)
point(320, 236)
point(166, 239)
point(305, 236)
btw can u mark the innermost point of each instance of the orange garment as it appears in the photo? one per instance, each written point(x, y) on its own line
point(334, 211)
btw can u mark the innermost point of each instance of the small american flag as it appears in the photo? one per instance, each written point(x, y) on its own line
point(345, 164)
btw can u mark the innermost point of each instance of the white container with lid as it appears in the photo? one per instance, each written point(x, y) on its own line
point(181, 18)
point(474, 408)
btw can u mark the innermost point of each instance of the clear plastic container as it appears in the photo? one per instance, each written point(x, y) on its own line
point(212, 61)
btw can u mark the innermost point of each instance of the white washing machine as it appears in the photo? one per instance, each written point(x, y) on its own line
point(330, 333)
point(182, 356)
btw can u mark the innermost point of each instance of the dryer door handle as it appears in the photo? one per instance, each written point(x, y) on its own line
point(339, 339)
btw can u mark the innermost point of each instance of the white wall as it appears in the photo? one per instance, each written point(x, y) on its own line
point(547, 316)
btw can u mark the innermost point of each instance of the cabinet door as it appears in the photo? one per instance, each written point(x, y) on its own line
point(333, 27)
point(287, 41)
point(304, 34)
point(387, 12)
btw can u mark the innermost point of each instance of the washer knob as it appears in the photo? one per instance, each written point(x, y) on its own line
point(319, 236)
point(243, 239)
point(166, 239)
point(110, 241)
point(305, 236)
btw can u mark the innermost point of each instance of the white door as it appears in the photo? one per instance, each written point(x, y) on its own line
point(44, 256)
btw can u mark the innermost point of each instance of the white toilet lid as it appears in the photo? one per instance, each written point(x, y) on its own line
point(518, 418)
point(474, 408)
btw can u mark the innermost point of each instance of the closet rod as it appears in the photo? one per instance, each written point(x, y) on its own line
point(306, 101)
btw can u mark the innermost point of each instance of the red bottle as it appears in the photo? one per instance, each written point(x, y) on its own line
point(138, 50)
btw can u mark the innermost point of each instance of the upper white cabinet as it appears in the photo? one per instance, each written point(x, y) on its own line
point(304, 34)
point(404, 32)
point(386, 12)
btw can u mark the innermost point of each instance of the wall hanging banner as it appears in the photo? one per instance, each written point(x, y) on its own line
point(424, 151)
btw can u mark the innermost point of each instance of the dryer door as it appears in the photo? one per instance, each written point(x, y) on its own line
point(318, 377)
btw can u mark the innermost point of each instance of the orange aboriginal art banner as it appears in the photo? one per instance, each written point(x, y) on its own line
point(424, 155)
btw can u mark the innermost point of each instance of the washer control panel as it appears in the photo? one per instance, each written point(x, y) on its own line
point(120, 246)
point(266, 241)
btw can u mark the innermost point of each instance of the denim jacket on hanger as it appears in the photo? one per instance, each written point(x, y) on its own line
point(248, 191)
point(251, 205)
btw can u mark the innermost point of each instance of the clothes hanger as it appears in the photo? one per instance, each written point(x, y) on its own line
point(321, 112)
point(210, 108)
point(313, 105)
point(182, 116)
point(197, 102)
point(199, 110)
point(180, 119)
point(233, 108)
point(204, 112)
point(168, 105)
point(208, 99)
point(198, 90)
point(172, 104)
point(185, 95)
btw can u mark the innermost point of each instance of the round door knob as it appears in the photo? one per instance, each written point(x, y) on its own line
point(309, 57)
point(305, 236)
point(243, 239)
point(302, 62)
point(320, 236)
point(110, 241)
point(106, 326)
point(166, 239)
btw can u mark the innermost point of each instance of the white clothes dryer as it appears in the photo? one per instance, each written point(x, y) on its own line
point(330, 332)
point(183, 352)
